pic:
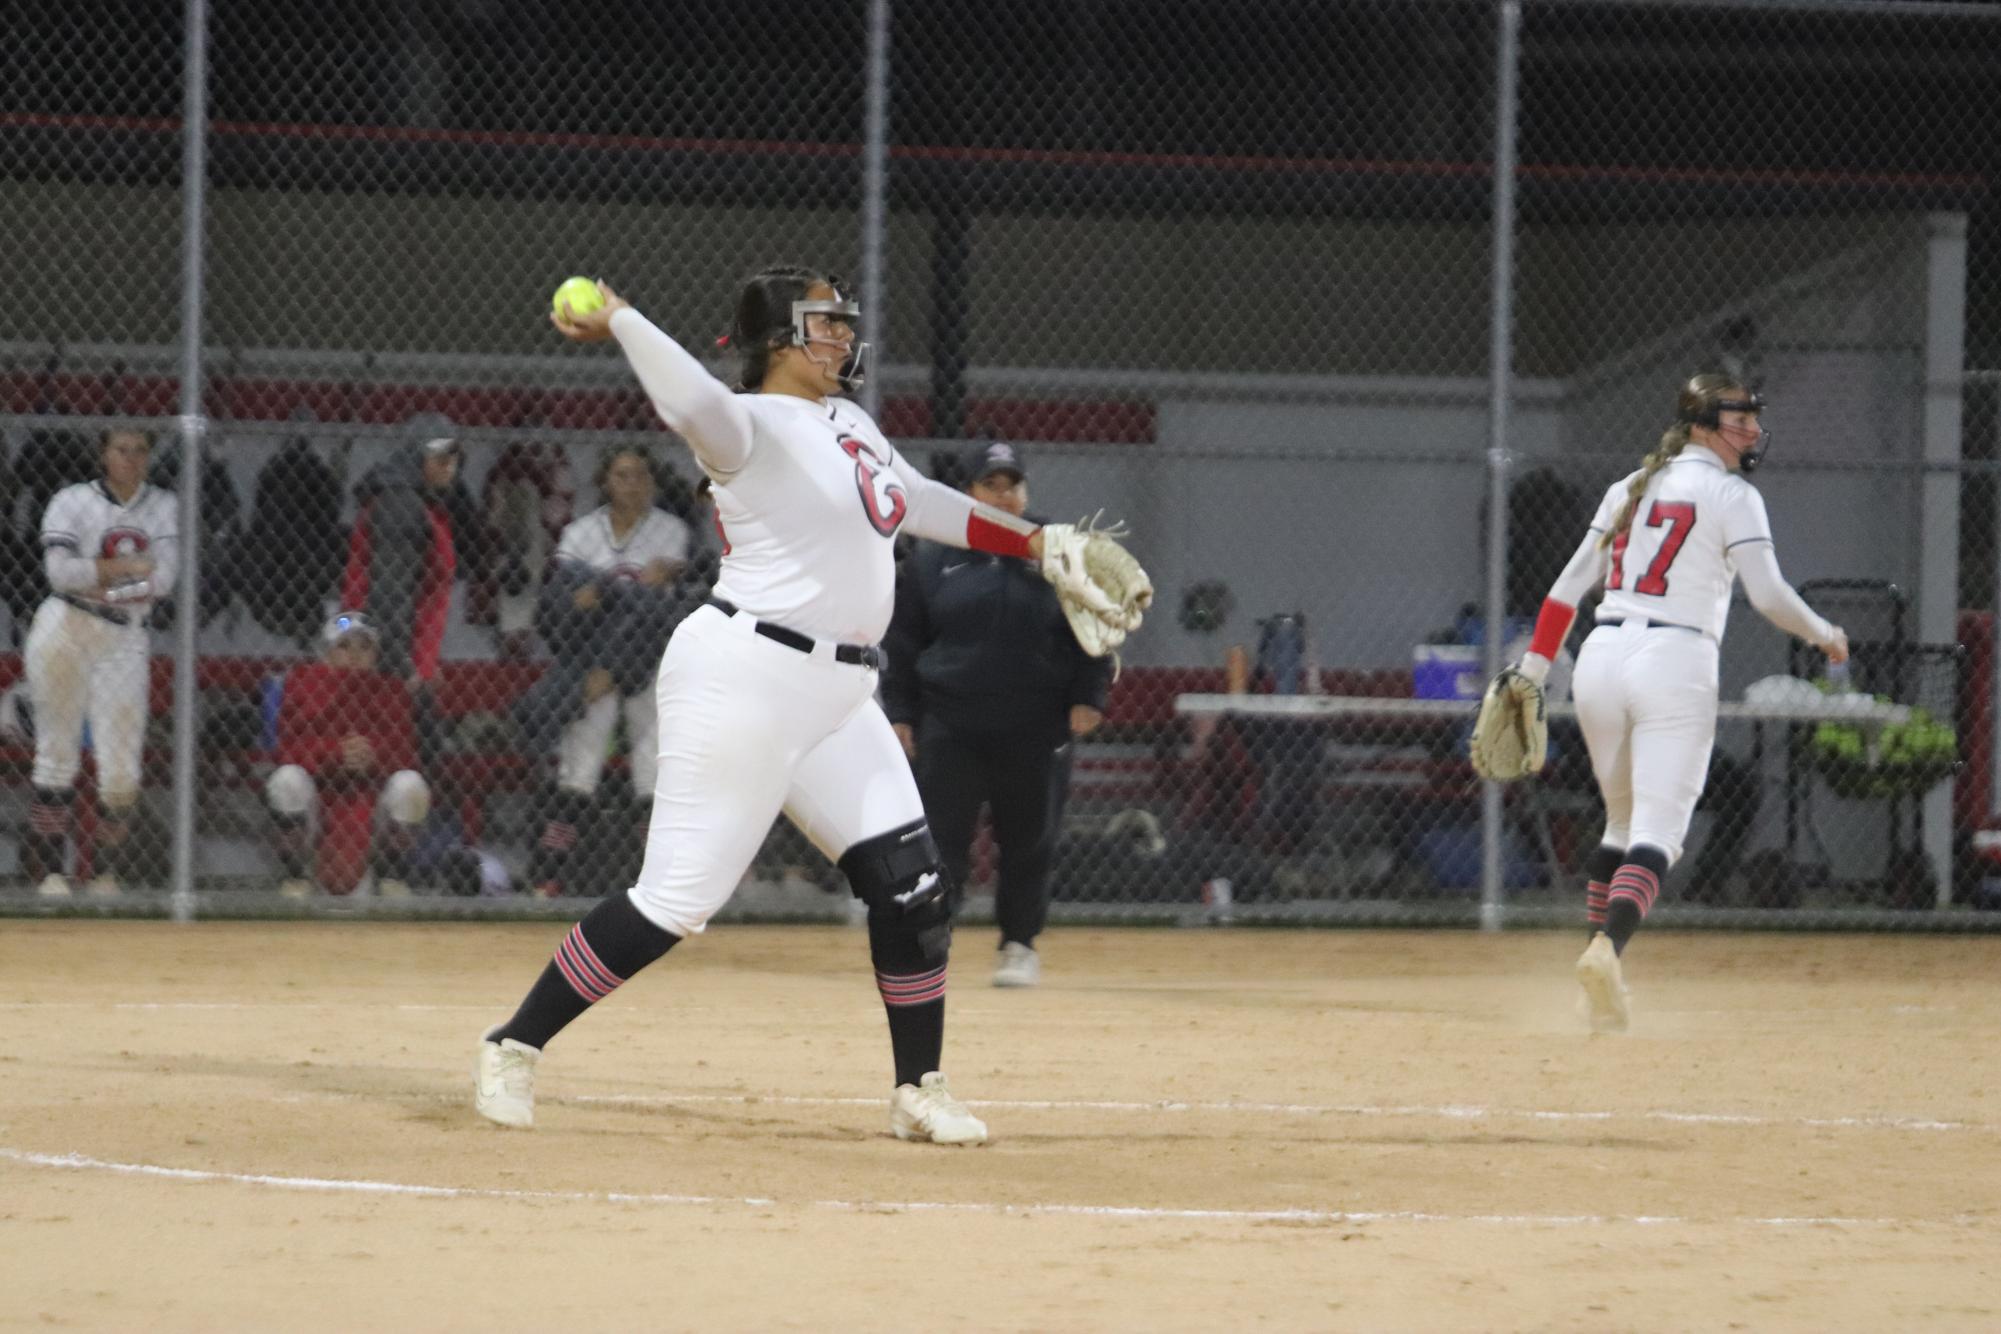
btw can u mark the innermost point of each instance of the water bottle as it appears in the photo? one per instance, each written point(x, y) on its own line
point(1837, 678)
point(1282, 652)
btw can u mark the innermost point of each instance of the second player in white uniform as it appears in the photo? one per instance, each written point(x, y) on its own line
point(109, 551)
point(1668, 542)
point(767, 693)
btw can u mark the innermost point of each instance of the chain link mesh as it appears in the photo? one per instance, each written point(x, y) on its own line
point(1224, 271)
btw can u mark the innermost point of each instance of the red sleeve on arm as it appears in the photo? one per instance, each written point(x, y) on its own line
point(983, 534)
point(1552, 625)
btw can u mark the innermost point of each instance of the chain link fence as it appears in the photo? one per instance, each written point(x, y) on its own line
point(1229, 272)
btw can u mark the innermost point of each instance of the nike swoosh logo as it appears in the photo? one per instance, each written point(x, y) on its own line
point(960, 566)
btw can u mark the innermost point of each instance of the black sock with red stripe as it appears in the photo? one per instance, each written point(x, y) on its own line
point(1599, 868)
point(911, 980)
point(1635, 886)
point(613, 942)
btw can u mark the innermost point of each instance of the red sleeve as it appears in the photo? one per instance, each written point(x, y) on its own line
point(1552, 626)
point(983, 534)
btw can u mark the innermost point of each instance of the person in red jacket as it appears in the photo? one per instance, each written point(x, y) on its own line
point(346, 792)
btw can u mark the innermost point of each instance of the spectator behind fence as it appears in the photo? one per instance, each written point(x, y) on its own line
point(609, 602)
point(346, 793)
point(109, 549)
point(221, 523)
point(987, 688)
point(401, 559)
point(528, 502)
point(21, 582)
point(295, 509)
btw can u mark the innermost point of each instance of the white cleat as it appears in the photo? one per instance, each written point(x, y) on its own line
point(1019, 966)
point(296, 888)
point(504, 1081)
point(927, 1111)
point(53, 887)
point(392, 889)
point(1604, 984)
point(103, 887)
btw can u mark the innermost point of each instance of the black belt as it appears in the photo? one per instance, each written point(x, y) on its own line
point(861, 655)
point(1648, 623)
point(101, 612)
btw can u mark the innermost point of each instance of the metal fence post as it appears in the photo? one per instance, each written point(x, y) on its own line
point(875, 202)
point(1499, 386)
point(194, 200)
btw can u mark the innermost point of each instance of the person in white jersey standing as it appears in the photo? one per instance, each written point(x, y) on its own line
point(109, 549)
point(1668, 541)
point(767, 692)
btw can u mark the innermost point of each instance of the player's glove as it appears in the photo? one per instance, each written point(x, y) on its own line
point(1511, 735)
point(1103, 590)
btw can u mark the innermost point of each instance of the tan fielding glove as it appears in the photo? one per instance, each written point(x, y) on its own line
point(1103, 590)
point(1511, 736)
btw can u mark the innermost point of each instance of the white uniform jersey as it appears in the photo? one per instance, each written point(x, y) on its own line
point(658, 536)
point(83, 523)
point(808, 523)
point(1674, 564)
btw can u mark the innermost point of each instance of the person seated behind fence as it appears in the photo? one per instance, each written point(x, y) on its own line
point(346, 795)
point(611, 598)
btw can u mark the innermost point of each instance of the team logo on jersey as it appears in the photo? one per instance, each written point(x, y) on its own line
point(882, 499)
point(123, 542)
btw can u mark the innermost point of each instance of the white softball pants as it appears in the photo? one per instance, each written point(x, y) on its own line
point(580, 758)
point(1646, 700)
point(750, 728)
point(80, 666)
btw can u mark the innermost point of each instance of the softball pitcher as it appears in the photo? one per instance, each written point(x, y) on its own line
point(766, 693)
point(1668, 541)
point(108, 547)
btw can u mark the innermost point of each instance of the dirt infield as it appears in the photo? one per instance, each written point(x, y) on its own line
point(257, 1126)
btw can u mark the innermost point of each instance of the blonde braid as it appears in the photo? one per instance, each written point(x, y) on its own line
point(1673, 441)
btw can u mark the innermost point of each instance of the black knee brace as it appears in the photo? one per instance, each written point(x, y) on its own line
point(900, 877)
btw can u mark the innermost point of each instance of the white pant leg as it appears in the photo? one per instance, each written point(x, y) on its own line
point(120, 704)
point(642, 738)
point(62, 642)
point(405, 799)
point(1598, 689)
point(290, 790)
point(854, 785)
point(580, 755)
point(738, 712)
point(1672, 689)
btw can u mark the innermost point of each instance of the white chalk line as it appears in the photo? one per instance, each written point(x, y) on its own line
point(81, 1162)
point(1450, 1112)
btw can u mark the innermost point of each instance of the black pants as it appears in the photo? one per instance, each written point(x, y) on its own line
point(1022, 777)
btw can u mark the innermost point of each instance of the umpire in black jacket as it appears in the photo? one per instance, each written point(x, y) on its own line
point(986, 688)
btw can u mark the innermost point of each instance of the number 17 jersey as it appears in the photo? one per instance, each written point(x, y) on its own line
point(1674, 563)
